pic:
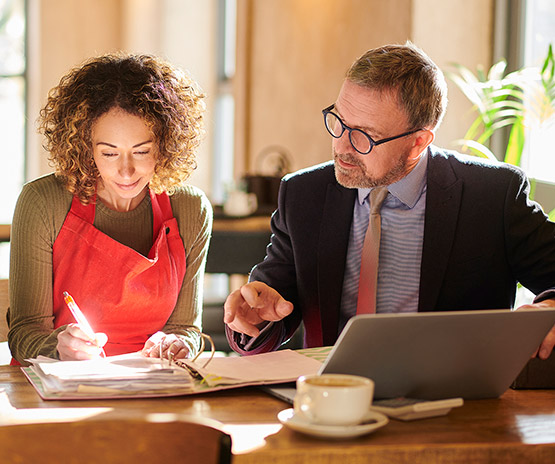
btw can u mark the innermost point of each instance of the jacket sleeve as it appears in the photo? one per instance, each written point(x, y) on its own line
point(530, 240)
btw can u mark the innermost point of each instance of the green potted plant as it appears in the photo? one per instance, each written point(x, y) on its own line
point(516, 101)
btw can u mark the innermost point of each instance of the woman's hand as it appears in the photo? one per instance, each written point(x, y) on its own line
point(75, 345)
point(170, 342)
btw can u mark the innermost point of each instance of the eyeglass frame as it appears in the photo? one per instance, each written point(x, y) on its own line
point(344, 127)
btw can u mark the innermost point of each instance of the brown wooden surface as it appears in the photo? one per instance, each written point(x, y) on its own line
point(247, 224)
point(92, 442)
point(4, 304)
point(518, 427)
point(5, 232)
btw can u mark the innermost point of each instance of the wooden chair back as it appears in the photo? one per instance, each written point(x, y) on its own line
point(4, 304)
point(115, 441)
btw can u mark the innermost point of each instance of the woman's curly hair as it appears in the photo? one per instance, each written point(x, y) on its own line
point(168, 100)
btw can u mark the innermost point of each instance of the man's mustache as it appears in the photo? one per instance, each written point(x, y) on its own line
point(350, 159)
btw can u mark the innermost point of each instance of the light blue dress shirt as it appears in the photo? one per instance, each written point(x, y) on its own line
point(402, 234)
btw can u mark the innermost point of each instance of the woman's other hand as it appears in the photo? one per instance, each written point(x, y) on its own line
point(170, 342)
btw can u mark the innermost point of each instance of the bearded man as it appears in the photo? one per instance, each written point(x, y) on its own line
point(456, 233)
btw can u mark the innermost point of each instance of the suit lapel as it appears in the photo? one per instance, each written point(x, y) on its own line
point(443, 198)
point(332, 252)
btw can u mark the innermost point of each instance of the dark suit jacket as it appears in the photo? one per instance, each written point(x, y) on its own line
point(481, 236)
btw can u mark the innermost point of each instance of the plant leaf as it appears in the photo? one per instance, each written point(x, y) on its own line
point(516, 143)
point(497, 71)
point(477, 149)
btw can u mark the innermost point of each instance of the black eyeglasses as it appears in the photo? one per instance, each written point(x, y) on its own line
point(360, 140)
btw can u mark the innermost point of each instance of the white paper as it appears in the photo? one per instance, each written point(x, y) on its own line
point(277, 366)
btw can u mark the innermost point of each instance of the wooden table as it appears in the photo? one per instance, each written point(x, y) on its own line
point(517, 428)
point(5, 232)
point(247, 224)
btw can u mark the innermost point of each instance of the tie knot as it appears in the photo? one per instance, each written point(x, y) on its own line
point(377, 197)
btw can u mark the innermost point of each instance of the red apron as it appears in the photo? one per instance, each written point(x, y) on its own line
point(122, 293)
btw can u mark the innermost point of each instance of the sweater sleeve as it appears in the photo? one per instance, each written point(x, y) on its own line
point(193, 212)
point(38, 217)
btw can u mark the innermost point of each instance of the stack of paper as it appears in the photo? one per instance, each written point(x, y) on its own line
point(137, 376)
point(128, 373)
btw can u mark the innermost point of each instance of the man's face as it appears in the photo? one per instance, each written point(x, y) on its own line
point(380, 116)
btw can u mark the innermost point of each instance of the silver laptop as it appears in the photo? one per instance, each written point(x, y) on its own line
point(436, 355)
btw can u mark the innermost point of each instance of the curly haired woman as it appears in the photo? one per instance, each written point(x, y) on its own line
point(114, 226)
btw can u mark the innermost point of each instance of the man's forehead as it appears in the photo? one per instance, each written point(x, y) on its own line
point(365, 103)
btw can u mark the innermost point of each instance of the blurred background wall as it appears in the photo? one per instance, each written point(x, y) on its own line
point(290, 59)
point(268, 68)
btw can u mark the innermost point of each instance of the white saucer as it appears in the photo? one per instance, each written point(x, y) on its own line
point(377, 420)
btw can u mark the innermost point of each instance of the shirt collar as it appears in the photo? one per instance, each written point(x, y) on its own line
point(409, 188)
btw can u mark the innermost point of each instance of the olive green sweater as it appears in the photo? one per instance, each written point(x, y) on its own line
point(39, 215)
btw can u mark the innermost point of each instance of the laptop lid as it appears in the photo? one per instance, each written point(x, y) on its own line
point(436, 355)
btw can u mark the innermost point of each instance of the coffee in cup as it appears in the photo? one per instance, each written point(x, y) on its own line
point(333, 399)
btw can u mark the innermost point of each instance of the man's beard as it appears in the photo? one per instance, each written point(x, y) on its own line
point(360, 178)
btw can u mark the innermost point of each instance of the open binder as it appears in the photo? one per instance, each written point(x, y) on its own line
point(134, 376)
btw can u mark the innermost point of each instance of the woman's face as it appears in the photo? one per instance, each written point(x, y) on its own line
point(124, 152)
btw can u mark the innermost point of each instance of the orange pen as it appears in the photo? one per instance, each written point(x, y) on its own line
point(80, 318)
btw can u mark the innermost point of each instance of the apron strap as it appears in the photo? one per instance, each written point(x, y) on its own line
point(161, 210)
point(85, 212)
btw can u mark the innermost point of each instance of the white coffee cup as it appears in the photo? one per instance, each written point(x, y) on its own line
point(239, 203)
point(333, 399)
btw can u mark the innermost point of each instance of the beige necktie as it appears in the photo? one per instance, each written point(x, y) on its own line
point(368, 279)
